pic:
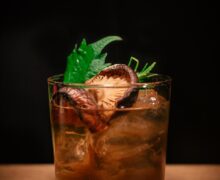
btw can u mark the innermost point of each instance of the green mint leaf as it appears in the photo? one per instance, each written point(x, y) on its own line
point(99, 45)
point(78, 63)
point(86, 61)
point(97, 65)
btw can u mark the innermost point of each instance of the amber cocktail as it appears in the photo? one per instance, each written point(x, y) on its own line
point(91, 141)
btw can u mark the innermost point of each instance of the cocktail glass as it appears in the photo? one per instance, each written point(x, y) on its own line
point(128, 143)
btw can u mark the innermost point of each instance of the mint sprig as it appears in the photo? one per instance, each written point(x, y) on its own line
point(86, 61)
point(145, 73)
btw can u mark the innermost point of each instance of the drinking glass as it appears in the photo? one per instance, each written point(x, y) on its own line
point(123, 142)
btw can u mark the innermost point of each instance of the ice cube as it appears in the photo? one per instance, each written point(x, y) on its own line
point(156, 107)
point(129, 142)
point(70, 146)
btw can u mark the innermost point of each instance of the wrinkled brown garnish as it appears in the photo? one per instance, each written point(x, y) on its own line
point(85, 106)
point(116, 92)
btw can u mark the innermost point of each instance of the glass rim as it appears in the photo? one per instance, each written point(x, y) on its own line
point(164, 79)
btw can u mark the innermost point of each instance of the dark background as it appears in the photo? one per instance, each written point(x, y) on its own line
point(36, 38)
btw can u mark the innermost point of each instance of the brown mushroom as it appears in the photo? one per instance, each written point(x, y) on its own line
point(84, 105)
point(116, 90)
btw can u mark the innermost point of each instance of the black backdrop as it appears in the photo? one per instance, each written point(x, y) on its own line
point(36, 38)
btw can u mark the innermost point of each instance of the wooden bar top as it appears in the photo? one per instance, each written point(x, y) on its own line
point(46, 172)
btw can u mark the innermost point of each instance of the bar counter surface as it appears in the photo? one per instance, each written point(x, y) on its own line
point(46, 172)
